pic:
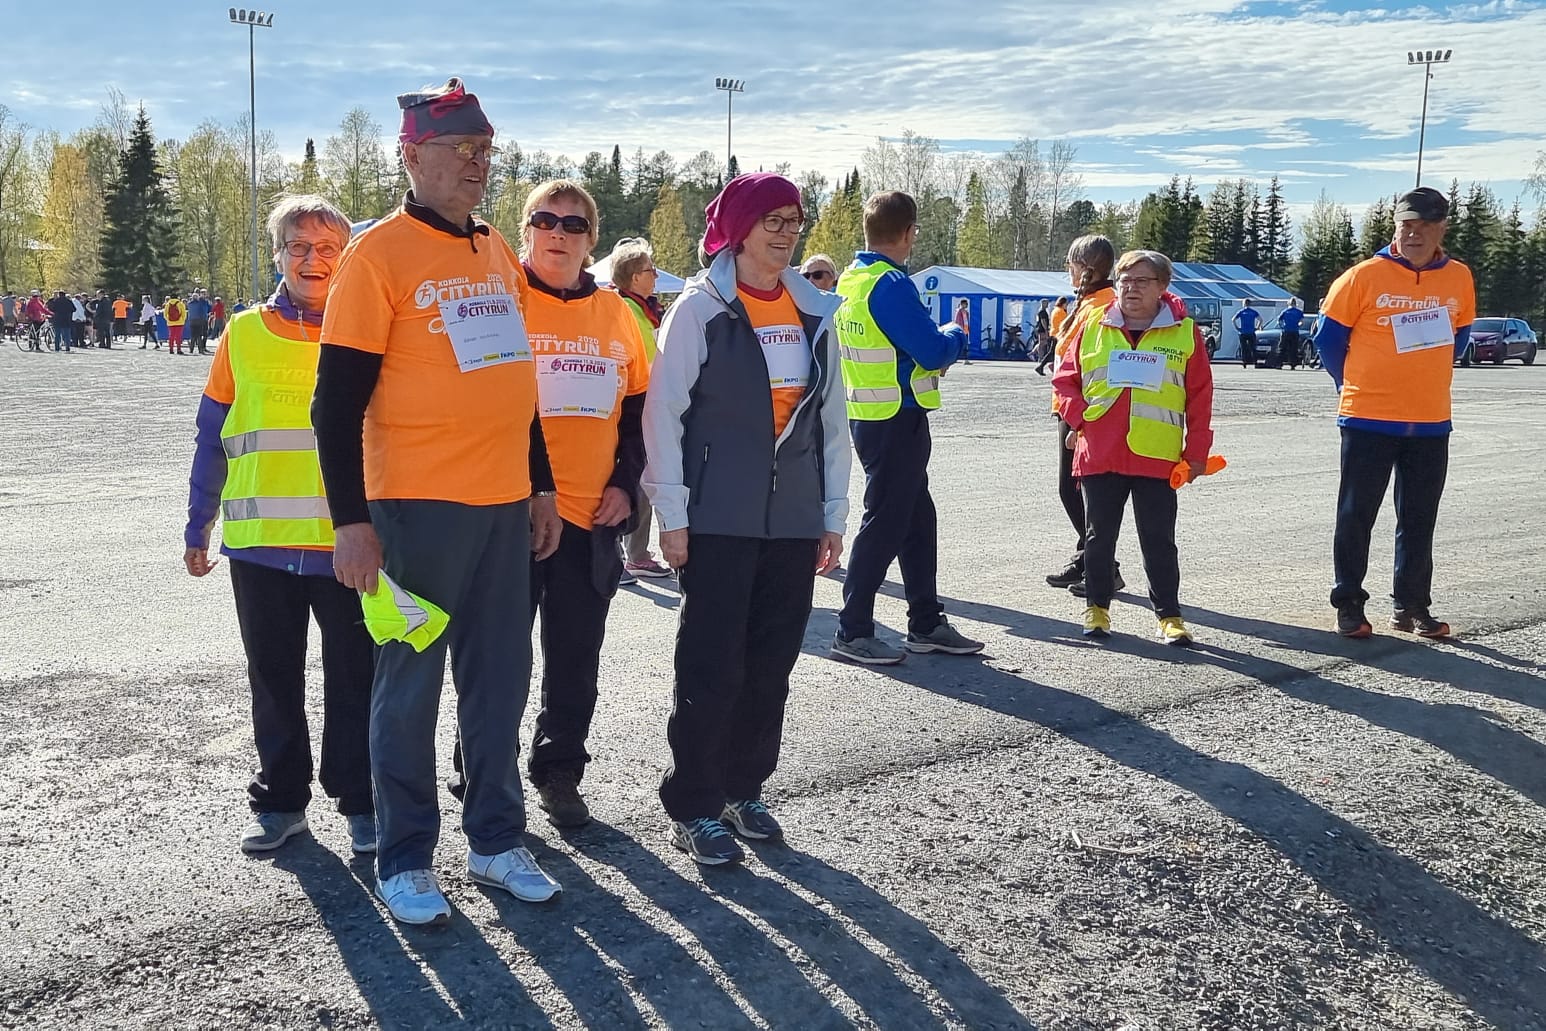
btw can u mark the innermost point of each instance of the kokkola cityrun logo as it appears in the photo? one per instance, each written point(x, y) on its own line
point(483, 309)
point(1402, 302)
point(582, 366)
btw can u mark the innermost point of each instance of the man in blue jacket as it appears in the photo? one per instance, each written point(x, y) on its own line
point(1246, 321)
point(892, 356)
point(198, 321)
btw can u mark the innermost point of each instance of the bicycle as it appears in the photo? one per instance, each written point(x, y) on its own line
point(30, 338)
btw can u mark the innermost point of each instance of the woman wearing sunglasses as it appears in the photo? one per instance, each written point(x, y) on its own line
point(747, 436)
point(821, 271)
point(591, 376)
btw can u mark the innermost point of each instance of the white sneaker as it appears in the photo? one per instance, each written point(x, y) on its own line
point(516, 872)
point(413, 897)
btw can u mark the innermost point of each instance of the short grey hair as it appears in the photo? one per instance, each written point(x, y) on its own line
point(1161, 265)
point(293, 209)
point(629, 257)
point(805, 266)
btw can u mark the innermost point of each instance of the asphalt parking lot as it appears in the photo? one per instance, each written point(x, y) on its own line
point(1278, 828)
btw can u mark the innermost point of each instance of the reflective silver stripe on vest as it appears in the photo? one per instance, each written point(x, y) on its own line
point(866, 354)
point(875, 395)
point(269, 440)
point(1093, 376)
point(926, 385)
point(1175, 379)
point(1155, 413)
point(235, 509)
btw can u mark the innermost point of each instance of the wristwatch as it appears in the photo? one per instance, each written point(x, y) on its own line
point(544, 494)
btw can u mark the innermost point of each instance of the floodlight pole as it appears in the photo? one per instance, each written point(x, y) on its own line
point(730, 87)
point(1426, 58)
point(253, 19)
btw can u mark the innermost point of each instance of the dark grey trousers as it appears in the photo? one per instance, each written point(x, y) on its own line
point(474, 561)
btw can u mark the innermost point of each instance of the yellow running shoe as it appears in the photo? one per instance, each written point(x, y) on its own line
point(1173, 631)
point(1097, 622)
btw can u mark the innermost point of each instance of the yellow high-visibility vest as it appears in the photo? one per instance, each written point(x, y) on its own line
point(868, 358)
point(1157, 419)
point(273, 496)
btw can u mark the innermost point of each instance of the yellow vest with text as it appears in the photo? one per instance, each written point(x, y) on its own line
point(646, 328)
point(273, 496)
point(868, 358)
point(1157, 418)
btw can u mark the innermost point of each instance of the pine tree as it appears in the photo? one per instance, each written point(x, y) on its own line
point(674, 250)
point(734, 169)
point(1508, 283)
point(1379, 227)
point(309, 180)
point(1325, 255)
point(1277, 235)
point(974, 246)
point(139, 244)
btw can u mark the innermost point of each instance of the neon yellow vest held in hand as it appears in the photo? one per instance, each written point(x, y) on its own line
point(868, 358)
point(1157, 421)
point(273, 496)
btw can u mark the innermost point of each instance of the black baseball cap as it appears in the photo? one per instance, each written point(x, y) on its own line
point(1424, 202)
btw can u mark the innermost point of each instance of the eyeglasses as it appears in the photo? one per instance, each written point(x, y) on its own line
point(1136, 282)
point(324, 250)
point(778, 224)
point(468, 150)
point(819, 273)
point(574, 225)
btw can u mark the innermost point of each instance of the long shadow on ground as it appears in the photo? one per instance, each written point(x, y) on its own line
point(1494, 967)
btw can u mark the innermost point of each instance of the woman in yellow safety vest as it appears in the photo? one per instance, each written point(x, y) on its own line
point(255, 465)
point(1090, 259)
point(1137, 395)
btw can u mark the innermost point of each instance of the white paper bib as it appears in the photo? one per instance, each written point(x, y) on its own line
point(788, 358)
point(1141, 370)
point(485, 331)
point(576, 385)
point(1422, 330)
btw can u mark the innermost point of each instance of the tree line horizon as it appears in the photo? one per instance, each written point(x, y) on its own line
point(113, 207)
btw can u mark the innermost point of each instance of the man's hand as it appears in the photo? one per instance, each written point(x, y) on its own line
point(828, 550)
point(673, 547)
point(545, 526)
point(198, 561)
point(357, 556)
point(614, 508)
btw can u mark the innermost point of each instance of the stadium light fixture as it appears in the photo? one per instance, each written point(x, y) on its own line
point(730, 87)
point(1427, 59)
point(253, 19)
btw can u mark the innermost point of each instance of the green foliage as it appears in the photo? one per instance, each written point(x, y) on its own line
point(1168, 220)
point(674, 249)
point(139, 241)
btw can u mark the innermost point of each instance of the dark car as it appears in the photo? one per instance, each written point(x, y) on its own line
point(1496, 340)
point(1267, 341)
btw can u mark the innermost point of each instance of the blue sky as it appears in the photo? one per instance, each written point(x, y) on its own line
point(1317, 91)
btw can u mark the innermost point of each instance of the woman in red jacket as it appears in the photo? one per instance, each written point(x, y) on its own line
point(1137, 394)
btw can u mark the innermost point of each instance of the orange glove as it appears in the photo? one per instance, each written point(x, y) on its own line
point(1181, 475)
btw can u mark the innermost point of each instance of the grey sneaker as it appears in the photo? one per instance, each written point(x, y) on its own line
point(706, 841)
point(514, 870)
point(943, 638)
point(751, 819)
point(1077, 588)
point(867, 651)
point(268, 831)
point(362, 832)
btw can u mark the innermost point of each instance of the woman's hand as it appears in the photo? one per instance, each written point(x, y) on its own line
point(673, 547)
point(1071, 439)
point(828, 550)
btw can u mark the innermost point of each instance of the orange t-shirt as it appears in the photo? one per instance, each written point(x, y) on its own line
point(776, 321)
point(1076, 324)
point(1384, 382)
point(120, 309)
point(589, 356)
point(432, 431)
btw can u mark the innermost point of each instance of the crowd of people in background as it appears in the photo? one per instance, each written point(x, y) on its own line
point(65, 322)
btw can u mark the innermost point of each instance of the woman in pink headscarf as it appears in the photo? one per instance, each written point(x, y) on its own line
point(746, 431)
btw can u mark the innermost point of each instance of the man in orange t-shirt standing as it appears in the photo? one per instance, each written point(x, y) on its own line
point(1390, 331)
point(437, 473)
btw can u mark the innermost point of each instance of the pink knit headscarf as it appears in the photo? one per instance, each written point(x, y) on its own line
point(745, 199)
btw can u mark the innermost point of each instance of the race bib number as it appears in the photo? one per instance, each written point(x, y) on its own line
point(1422, 330)
point(485, 331)
point(580, 386)
point(1140, 370)
point(788, 357)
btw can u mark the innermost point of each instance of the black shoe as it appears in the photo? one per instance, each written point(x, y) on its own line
point(560, 799)
point(1067, 578)
point(1077, 589)
point(1419, 622)
point(1351, 621)
point(707, 841)
point(751, 819)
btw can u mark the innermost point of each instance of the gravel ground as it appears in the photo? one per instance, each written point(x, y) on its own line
point(1278, 829)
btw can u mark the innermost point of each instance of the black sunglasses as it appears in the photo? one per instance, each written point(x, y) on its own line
point(574, 225)
point(819, 273)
